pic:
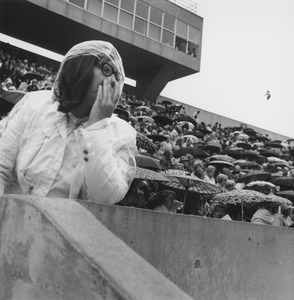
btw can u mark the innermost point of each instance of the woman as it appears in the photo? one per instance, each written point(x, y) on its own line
point(166, 199)
point(66, 142)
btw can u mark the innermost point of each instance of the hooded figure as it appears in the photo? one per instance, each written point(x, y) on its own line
point(66, 142)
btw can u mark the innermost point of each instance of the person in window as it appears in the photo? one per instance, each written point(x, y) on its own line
point(67, 143)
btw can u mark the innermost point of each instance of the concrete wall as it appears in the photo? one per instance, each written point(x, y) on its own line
point(56, 249)
point(208, 258)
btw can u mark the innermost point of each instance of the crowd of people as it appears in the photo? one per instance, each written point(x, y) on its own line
point(163, 132)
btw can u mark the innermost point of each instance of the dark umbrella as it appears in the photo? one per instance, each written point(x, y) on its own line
point(135, 103)
point(32, 75)
point(268, 153)
point(195, 151)
point(146, 174)
point(284, 181)
point(148, 163)
point(273, 145)
point(121, 112)
point(288, 194)
point(11, 96)
point(220, 164)
point(233, 153)
point(213, 147)
point(144, 143)
point(166, 102)
point(250, 154)
point(145, 119)
point(158, 107)
point(181, 181)
point(254, 176)
point(249, 131)
point(244, 145)
point(205, 130)
point(156, 137)
point(187, 118)
point(222, 158)
point(163, 120)
point(249, 165)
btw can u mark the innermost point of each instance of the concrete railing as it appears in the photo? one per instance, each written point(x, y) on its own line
point(208, 258)
point(56, 249)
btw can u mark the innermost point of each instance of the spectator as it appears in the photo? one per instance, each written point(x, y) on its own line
point(267, 214)
point(23, 87)
point(198, 170)
point(209, 176)
point(286, 215)
point(166, 199)
point(166, 160)
point(33, 86)
point(221, 181)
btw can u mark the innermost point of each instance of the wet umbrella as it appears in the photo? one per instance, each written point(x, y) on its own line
point(135, 102)
point(284, 181)
point(233, 153)
point(163, 120)
point(186, 118)
point(244, 145)
point(146, 174)
point(273, 145)
point(221, 164)
point(148, 162)
point(166, 102)
point(243, 136)
point(269, 153)
point(288, 194)
point(121, 112)
point(11, 96)
point(213, 147)
point(158, 107)
point(195, 151)
point(143, 142)
point(250, 154)
point(186, 123)
point(143, 108)
point(43, 71)
point(33, 75)
point(222, 158)
point(157, 137)
point(249, 131)
point(206, 130)
point(249, 165)
point(264, 187)
point(254, 176)
point(192, 137)
point(143, 119)
point(180, 180)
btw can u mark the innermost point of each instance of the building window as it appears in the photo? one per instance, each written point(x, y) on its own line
point(94, 6)
point(110, 12)
point(128, 5)
point(142, 10)
point(155, 16)
point(125, 19)
point(140, 26)
point(194, 34)
point(79, 3)
point(168, 38)
point(154, 32)
point(193, 49)
point(181, 44)
point(169, 22)
point(113, 2)
point(182, 28)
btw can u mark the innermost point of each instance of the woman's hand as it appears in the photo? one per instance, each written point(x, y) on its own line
point(106, 100)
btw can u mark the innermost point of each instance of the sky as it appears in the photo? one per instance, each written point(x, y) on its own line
point(247, 49)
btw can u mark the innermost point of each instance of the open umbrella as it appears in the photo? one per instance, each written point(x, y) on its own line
point(143, 108)
point(213, 147)
point(135, 102)
point(195, 151)
point(163, 120)
point(143, 142)
point(243, 136)
point(186, 123)
point(142, 119)
point(254, 176)
point(288, 194)
point(146, 174)
point(121, 112)
point(250, 154)
point(273, 145)
point(11, 96)
point(33, 75)
point(179, 179)
point(284, 182)
point(157, 108)
point(222, 157)
point(244, 145)
point(192, 137)
point(220, 164)
point(148, 162)
point(186, 118)
point(43, 71)
point(264, 187)
point(249, 165)
point(166, 102)
point(249, 131)
point(157, 137)
point(233, 153)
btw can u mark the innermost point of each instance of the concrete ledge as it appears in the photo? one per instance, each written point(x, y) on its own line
point(208, 258)
point(56, 249)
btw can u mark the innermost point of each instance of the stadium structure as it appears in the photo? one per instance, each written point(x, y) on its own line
point(159, 40)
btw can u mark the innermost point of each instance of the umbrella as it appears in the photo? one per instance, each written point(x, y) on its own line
point(181, 181)
point(166, 102)
point(278, 199)
point(120, 111)
point(213, 147)
point(157, 137)
point(249, 131)
point(288, 194)
point(220, 164)
point(193, 137)
point(11, 96)
point(222, 157)
point(189, 124)
point(144, 143)
point(148, 162)
point(186, 118)
point(268, 153)
point(254, 176)
point(195, 151)
point(158, 107)
point(273, 145)
point(135, 103)
point(261, 159)
point(163, 120)
point(43, 71)
point(243, 136)
point(146, 174)
point(250, 154)
point(273, 159)
point(145, 108)
point(142, 119)
point(249, 165)
point(233, 153)
point(264, 187)
point(32, 75)
point(134, 119)
point(244, 145)
point(285, 181)
point(206, 130)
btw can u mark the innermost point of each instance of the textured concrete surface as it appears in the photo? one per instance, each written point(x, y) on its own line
point(56, 249)
point(208, 258)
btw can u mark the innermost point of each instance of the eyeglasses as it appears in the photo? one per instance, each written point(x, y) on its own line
point(108, 70)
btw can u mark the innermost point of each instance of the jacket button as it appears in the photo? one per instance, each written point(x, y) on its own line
point(85, 152)
point(86, 159)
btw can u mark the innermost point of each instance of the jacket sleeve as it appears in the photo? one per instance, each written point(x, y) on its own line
point(107, 159)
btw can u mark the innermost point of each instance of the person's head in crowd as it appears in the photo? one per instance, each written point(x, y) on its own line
point(198, 169)
point(166, 198)
point(185, 161)
point(221, 181)
point(286, 209)
point(227, 172)
point(219, 210)
point(86, 69)
point(168, 154)
point(291, 173)
point(8, 83)
point(230, 185)
point(180, 142)
point(189, 142)
point(210, 171)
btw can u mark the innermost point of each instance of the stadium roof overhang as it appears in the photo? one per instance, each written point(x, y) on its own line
point(40, 26)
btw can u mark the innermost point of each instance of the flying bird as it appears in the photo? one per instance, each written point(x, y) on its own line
point(268, 95)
